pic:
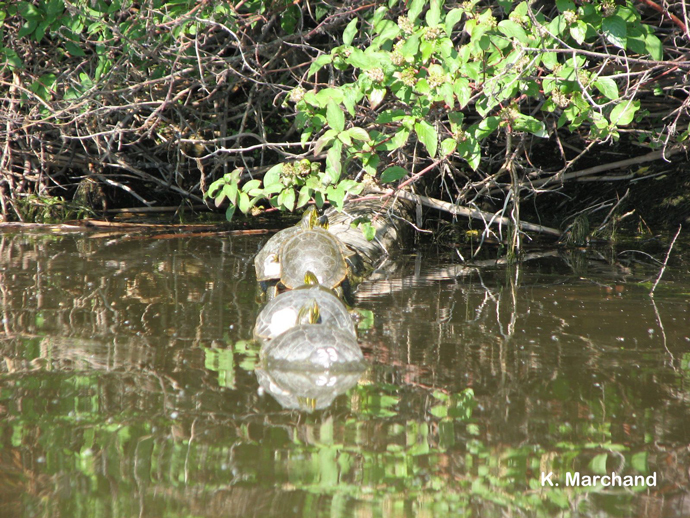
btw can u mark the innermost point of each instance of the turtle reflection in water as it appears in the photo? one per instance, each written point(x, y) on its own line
point(306, 390)
point(308, 304)
point(314, 347)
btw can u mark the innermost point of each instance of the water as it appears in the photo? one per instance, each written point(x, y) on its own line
point(127, 387)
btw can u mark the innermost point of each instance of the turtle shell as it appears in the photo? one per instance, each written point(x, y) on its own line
point(283, 312)
point(314, 347)
point(314, 250)
point(266, 262)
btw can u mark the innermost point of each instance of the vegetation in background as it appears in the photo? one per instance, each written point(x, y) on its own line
point(259, 104)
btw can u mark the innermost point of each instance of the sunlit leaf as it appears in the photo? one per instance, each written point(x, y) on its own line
point(359, 134)
point(319, 63)
point(350, 31)
point(272, 176)
point(415, 9)
point(448, 146)
point(286, 198)
point(452, 18)
point(615, 30)
point(654, 47)
point(335, 116)
point(607, 87)
point(243, 202)
point(530, 125)
point(513, 30)
point(624, 113)
point(579, 31)
point(428, 136)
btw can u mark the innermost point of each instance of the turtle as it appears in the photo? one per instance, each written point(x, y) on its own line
point(313, 250)
point(309, 347)
point(266, 262)
point(308, 304)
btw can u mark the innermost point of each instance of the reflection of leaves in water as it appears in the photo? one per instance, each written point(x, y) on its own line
point(221, 361)
point(366, 317)
point(457, 406)
point(249, 354)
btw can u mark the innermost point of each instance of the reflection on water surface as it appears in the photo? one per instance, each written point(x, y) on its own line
point(127, 387)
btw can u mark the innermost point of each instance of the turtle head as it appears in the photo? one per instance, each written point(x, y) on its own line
point(309, 314)
point(322, 222)
point(310, 278)
point(310, 218)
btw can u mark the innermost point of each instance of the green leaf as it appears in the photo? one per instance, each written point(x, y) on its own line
point(272, 176)
point(230, 212)
point(333, 163)
point(349, 32)
point(251, 184)
point(304, 196)
point(448, 146)
point(361, 60)
point(469, 150)
point(335, 116)
point(393, 174)
point(359, 134)
point(565, 5)
point(398, 140)
point(230, 192)
point(410, 47)
point(485, 128)
point(285, 198)
point(433, 15)
point(452, 18)
point(654, 47)
point(73, 49)
point(624, 113)
point(415, 9)
point(323, 97)
point(243, 202)
point(530, 125)
point(615, 30)
point(320, 62)
point(579, 31)
point(29, 12)
point(387, 30)
point(336, 195)
point(513, 30)
point(462, 90)
point(324, 140)
point(607, 87)
point(445, 93)
point(427, 134)
point(344, 137)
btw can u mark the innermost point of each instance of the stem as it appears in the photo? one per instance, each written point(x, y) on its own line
point(663, 267)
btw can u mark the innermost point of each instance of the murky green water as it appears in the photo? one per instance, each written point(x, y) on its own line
point(127, 387)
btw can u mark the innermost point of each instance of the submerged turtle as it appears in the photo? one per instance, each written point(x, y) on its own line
point(314, 348)
point(266, 262)
point(309, 304)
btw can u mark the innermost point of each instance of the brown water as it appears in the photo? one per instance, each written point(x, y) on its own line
point(127, 387)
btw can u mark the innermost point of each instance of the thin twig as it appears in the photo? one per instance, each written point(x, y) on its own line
point(663, 267)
